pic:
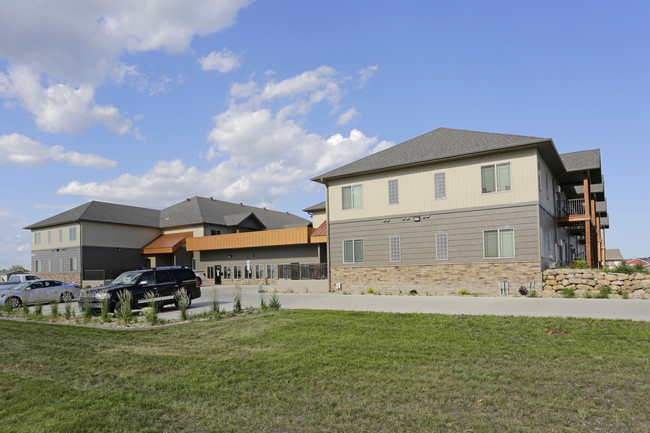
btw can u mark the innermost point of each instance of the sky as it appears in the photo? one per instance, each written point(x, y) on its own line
point(149, 102)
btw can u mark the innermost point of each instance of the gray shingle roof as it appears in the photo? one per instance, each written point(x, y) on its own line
point(193, 211)
point(439, 144)
point(582, 160)
point(103, 212)
point(316, 207)
point(613, 254)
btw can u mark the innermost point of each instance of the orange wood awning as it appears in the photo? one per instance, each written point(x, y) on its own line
point(166, 244)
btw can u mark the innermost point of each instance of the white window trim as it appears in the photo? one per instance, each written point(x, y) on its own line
point(353, 258)
point(447, 246)
point(496, 184)
point(390, 252)
point(514, 252)
point(353, 207)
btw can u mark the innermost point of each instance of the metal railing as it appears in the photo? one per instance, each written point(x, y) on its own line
point(574, 206)
point(303, 271)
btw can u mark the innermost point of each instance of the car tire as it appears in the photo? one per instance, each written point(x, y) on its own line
point(14, 301)
point(189, 301)
point(67, 297)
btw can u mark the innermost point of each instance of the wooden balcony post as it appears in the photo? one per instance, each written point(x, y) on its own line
point(601, 256)
point(588, 241)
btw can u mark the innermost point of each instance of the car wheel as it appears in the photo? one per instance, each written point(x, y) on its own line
point(188, 301)
point(67, 297)
point(14, 302)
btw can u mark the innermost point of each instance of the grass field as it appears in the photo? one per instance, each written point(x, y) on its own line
point(329, 371)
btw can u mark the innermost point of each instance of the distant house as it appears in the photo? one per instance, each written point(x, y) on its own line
point(228, 241)
point(613, 258)
point(455, 209)
point(642, 261)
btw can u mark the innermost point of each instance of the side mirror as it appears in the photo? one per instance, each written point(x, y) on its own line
point(143, 283)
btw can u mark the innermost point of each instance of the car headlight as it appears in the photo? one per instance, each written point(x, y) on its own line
point(102, 295)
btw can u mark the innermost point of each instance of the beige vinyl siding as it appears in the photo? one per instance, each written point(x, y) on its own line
point(116, 235)
point(318, 218)
point(196, 230)
point(464, 231)
point(417, 193)
point(543, 191)
point(54, 238)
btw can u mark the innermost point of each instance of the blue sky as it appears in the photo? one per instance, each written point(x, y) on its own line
point(146, 103)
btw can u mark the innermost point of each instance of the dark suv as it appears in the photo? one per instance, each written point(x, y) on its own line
point(163, 282)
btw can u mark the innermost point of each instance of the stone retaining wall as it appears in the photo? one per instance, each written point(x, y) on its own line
point(66, 277)
point(584, 281)
point(442, 279)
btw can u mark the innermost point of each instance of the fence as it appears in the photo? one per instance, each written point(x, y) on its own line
point(574, 206)
point(302, 271)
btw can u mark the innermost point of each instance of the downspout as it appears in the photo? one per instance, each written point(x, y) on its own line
point(81, 255)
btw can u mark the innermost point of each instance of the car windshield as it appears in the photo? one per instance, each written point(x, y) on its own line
point(127, 278)
point(20, 286)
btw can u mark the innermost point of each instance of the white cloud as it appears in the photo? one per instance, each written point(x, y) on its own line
point(259, 146)
point(14, 241)
point(223, 61)
point(366, 74)
point(20, 150)
point(59, 107)
point(348, 116)
point(77, 46)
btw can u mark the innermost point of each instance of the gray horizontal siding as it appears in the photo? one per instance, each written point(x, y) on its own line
point(464, 236)
point(112, 259)
point(268, 255)
point(58, 258)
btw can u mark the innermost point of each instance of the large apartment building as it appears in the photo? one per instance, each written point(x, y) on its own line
point(454, 209)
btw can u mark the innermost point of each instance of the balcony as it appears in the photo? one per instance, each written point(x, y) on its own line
point(571, 207)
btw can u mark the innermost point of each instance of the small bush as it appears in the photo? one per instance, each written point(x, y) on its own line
point(54, 309)
point(274, 303)
point(151, 312)
point(104, 310)
point(215, 303)
point(589, 295)
point(67, 311)
point(182, 300)
point(413, 292)
point(263, 305)
point(86, 308)
point(569, 292)
point(533, 294)
point(625, 295)
point(463, 292)
point(604, 293)
point(125, 312)
point(523, 291)
point(578, 264)
point(236, 306)
point(25, 308)
point(370, 290)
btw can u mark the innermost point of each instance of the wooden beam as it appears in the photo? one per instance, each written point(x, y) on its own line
point(588, 241)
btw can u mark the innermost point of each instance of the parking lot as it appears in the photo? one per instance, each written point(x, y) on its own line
point(632, 309)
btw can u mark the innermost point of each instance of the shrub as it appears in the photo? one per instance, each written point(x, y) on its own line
point(215, 303)
point(236, 306)
point(124, 312)
point(370, 290)
point(604, 293)
point(625, 295)
point(151, 312)
point(104, 311)
point(182, 300)
point(463, 292)
point(54, 309)
point(413, 292)
point(25, 308)
point(86, 308)
point(569, 292)
point(67, 311)
point(274, 303)
point(533, 294)
point(578, 264)
point(263, 304)
point(523, 291)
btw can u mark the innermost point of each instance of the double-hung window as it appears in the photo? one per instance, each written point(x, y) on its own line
point(73, 264)
point(271, 272)
point(37, 238)
point(495, 177)
point(352, 197)
point(393, 196)
point(440, 187)
point(73, 233)
point(395, 250)
point(353, 251)
point(499, 243)
point(259, 272)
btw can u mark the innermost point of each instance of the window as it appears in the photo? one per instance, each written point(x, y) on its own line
point(49, 265)
point(259, 272)
point(539, 177)
point(499, 243)
point(441, 246)
point(194, 264)
point(271, 272)
point(393, 197)
point(395, 251)
point(495, 177)
point(353, 251)
point(227, 272)
point(439, 186)
point(547, 187)
point(73, 233)
point(49, 237)
point(37, 265)
point(73, 264)
point(60, 235)
point(237, 272)
point(352, 197)
point(209, 272)
point(37, 238)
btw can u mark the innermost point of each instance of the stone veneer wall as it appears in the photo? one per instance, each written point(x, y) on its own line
point(583, 281)
point(448, 279)
point(66, 277)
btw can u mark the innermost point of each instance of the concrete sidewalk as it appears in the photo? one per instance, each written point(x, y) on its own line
point(631, 309)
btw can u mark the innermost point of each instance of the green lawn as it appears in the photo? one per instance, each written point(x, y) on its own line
point(329, 371)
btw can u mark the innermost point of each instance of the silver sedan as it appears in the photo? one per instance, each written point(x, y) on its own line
point(39, 291)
